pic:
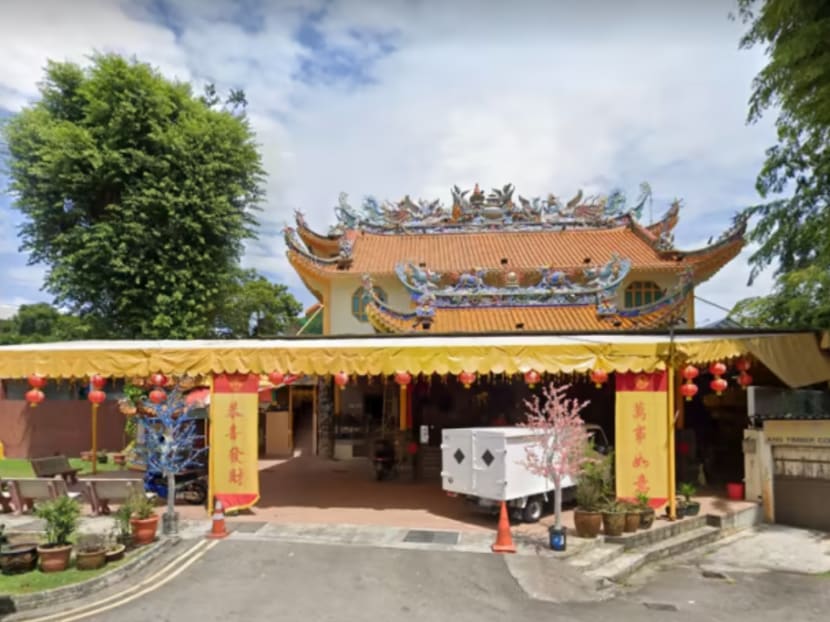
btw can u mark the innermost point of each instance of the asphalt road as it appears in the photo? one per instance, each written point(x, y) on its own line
point(267, 580)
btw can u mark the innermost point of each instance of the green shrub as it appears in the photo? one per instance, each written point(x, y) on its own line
point(61, 516)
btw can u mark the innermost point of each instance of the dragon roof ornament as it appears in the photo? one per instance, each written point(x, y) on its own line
point(476, 210)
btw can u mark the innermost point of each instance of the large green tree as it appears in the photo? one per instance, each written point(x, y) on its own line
point(255, 307)
point(793, 222)
point(138, 195)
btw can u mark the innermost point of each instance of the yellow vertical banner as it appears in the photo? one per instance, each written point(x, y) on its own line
point(234, 418)
point(642, 440)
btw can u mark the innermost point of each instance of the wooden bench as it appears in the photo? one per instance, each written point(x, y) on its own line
point(55, 465)
point(25, 492)
point(104, 491)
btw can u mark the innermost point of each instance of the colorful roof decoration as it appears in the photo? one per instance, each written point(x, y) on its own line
point(488, 252)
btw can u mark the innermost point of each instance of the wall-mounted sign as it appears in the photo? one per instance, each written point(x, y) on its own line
point(801, 433)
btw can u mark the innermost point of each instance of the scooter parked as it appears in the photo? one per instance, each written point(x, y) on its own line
point(191, 486)
point(384, 459)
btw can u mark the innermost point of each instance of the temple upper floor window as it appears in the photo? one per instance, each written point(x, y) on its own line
point(360, 299)
point(641, 293)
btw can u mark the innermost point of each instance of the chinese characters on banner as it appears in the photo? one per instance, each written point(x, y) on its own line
point(234, 422)
point(642, 458)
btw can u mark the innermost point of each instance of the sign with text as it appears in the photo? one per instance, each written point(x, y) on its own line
point(798, 433)
point(642, 439)
point(234, 421)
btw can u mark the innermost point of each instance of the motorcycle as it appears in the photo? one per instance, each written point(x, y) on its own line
point(191, 486)
point(384, 459)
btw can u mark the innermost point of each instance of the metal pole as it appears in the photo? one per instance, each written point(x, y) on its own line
point(670, 429)
point(94, 438)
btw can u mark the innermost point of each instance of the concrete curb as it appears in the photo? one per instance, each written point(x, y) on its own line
point(18, 603)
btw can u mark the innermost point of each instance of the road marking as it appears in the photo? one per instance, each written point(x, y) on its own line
point(194, 553)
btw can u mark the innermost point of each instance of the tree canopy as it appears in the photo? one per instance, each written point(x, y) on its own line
point(41, 323)
point(793, 224)
point(137, 196)
point(255, 307)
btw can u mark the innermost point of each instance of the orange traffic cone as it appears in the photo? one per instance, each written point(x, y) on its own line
point(217, 528)
point(504, 539)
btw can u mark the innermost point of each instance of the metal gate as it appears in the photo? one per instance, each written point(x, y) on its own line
point(801, 480)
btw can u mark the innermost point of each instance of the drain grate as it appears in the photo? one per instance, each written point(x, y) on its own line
point(421, 536)
point(246, 527)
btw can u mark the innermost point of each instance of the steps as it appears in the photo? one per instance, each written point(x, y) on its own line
point(597, 557)
point(633, 558)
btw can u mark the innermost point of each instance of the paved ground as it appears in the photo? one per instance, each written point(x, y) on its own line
point(270, 580)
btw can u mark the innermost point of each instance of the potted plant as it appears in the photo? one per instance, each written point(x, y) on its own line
point(102, 456)
point(692, 508)
point(115, 548)
point(90, 552)
point(647, 514)
point(632, 517)
point(16, 558)
point(119, 459)
point(143, 518)
point(61, 516)
point(587, 514)
point(613, 518)
point(86, 456)
point(122, 528)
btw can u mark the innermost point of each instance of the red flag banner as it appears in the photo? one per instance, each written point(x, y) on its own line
point(233, 450)
point(642, 439)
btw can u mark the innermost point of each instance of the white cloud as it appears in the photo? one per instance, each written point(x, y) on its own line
point(540, 94)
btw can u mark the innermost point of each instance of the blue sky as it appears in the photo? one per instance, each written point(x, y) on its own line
point(394, 97)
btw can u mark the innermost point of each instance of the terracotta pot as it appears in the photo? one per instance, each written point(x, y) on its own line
point(647, 518)
point(90, 561)
point(119, 459)
point(613, 523)
point(113, 555)
point(86, 456)
point(127, 408)
point(15, 558)
point(144, 530)
point(632, 521)
point(54, 558)
point(588, 524)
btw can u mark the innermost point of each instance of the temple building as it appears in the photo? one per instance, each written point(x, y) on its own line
point(494, 263)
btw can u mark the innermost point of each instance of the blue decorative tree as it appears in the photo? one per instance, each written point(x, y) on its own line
point(169, 445)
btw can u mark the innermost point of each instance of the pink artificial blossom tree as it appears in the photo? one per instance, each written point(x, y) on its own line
point(559, 451)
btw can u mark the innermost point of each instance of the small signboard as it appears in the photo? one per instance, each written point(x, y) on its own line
point(424, 434)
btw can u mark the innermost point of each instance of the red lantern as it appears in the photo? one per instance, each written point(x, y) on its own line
point(158, 380)
point(34, 397)
point(717, 369)
point(467, 378)
point(96, 396)
point(36, 381)
point(742, 365)
point(688, 390)
point(690, 372)
point(276, 377)
point(744, 379)
point(532, 377)
point(98, 381)
point(599, 377)
point(341, 379)
point(403, 378)
point(157, 396)
point(718, 385)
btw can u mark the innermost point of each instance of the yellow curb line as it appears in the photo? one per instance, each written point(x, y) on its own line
point(194, 553)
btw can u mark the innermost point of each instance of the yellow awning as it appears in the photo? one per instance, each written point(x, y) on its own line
point(793, 357)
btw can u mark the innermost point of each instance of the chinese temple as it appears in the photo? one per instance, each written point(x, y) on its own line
point(499, 262)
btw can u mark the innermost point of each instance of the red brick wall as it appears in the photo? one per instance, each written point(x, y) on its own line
point(57, 426)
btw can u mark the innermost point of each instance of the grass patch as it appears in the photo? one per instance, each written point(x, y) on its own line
point(37, 581)
point(11, 468)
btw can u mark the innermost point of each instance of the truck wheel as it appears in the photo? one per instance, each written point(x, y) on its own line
point(533, 510)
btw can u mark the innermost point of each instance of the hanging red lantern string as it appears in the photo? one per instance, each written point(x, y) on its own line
point(688, 390)
point(403, 378)
point(532, 378)
point(158, 380)
point(36, 381)
point(157, 396)
point(744, 379)
point(718, 385)
point(34, 397)
point(97, 396)
point(98, 382)
point(717, 369)
point(690, 372)
point(341, 379)
point(742, 364)
point(276, 378)
point(599, 377)
point(467, 378)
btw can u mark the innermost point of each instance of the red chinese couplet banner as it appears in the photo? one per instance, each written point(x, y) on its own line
point(642, 439)
point(234, 422)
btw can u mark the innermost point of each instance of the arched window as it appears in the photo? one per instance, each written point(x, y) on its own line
point(360, 299)
point(641, 293)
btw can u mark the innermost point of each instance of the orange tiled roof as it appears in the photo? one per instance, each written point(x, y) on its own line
point(501, 319)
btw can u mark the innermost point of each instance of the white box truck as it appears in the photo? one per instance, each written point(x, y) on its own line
point(486, 466)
